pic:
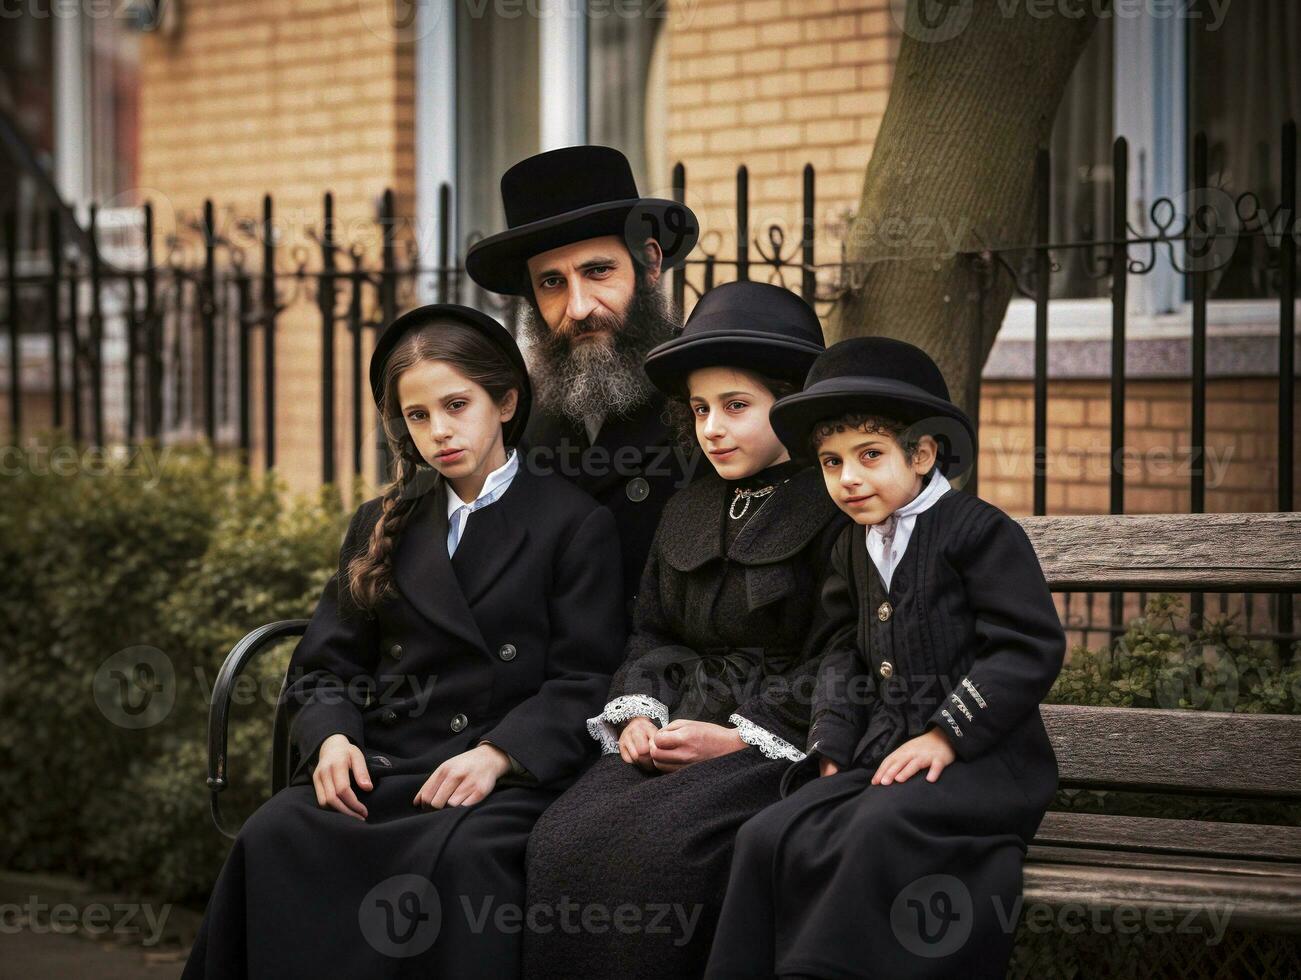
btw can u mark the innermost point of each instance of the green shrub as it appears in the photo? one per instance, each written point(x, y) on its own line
point(1159, 663)
point(184, 564)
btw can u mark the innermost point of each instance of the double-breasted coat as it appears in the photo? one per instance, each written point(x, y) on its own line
point(633, 468)
point(512, 640)
point(726, 621)
point(917, 879)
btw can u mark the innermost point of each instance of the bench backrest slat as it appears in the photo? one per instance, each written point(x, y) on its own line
point(1159, 750)
point(1171, 552)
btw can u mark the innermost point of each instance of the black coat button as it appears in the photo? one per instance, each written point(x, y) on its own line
point(507, 651)
point(638, 489)
point(459, 722)
point(389, 716)
point(395, 651)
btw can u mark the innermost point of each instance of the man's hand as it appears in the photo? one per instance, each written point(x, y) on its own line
point(337, 762)
point(930, 750)
point(635, 742)
point(463, 779)
point(682, 742)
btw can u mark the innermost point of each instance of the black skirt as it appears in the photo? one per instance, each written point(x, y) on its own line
point(310, 892)
point(628, 868)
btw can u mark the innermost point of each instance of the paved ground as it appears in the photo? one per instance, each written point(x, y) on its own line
point(95, 936)
point(26, 955)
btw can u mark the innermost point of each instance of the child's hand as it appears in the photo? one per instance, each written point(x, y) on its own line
point(826, 767)
point(336, 762)
point(682, 742)
point(464, 779)
point(931, 749)
point(635, 742)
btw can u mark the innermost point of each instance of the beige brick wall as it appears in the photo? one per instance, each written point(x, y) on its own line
point(294, 98)
point(776, 84)
point(1241, 440)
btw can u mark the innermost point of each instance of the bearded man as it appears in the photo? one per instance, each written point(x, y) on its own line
point(587, 253)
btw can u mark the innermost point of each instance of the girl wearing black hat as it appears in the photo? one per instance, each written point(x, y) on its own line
point(904, 858)
point(708, 707)
point(437, 697)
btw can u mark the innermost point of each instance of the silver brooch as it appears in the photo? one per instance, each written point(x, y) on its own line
point(747, 496)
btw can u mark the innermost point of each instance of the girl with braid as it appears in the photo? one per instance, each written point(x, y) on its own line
point(438, 697)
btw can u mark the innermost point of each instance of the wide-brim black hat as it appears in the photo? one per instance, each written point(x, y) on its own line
point(878, 375)
point(499, 336)
point(753, 325)
point(568, 195)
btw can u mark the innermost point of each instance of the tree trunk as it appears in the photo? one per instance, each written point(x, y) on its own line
point(975, 91)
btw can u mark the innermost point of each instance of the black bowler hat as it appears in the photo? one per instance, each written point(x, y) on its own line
point(753, 325)
point(881, 376)
point(484, 324)
point(564, 196)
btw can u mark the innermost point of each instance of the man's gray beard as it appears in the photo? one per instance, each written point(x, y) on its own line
point(600, 377)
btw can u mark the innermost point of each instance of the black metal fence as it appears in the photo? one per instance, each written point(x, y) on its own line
point(187, 322)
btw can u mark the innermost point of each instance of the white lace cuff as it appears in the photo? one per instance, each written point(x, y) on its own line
point(764, 740)
point(604, 727)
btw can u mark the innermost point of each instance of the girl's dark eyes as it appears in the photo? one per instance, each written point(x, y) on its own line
point(742, 405)
point(417, 414)
point(830, 461)
point(871, 453)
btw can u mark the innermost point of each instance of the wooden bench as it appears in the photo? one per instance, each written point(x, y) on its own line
point(1252, 872)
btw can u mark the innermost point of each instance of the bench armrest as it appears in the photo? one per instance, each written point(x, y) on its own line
point(240, 656)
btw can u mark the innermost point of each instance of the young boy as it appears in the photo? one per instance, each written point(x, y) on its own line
point(904, 858)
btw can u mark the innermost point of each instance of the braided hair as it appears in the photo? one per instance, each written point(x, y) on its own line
point(370, 572)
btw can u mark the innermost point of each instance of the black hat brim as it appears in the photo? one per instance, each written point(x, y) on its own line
point(794, 416)
point(669, 364)
point(500, 262)
point(500, 337)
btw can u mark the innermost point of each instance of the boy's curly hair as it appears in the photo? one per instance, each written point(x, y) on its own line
point(902, 433)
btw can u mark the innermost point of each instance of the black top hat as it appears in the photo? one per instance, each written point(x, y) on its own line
point(879, 375)
point(484, 324)
point(564, 196)
point(753, 325)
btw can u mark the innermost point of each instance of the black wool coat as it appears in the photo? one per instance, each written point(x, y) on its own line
point(749, 611)
point(633, 468)
point(719, 629)
point(966, 639)
point(512, 641)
